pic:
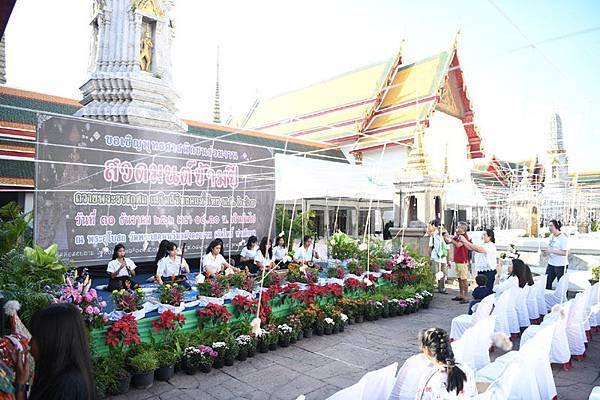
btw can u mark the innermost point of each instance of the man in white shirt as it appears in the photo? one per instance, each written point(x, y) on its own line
point(557, 252)
point(438, 254)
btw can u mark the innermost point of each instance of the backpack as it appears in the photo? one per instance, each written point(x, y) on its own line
point(442, 249)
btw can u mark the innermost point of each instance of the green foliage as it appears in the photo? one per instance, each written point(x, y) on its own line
point(145, 361)
point(376, 255)
point(166, 357)
point(13, 227)
point(303, 223)
point(28, 276)
point(595, 226)
point(107, 372)
point(342, 246)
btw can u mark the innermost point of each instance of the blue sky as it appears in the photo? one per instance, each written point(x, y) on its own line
point(269, 47)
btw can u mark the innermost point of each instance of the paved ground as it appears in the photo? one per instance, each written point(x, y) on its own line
point(320, 366)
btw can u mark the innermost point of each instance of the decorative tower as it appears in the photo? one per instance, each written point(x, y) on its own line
point(2, 61)
point(130, 64)
point(217, 107)
point(558, 162)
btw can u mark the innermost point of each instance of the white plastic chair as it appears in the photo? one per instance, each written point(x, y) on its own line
point(559, 349)
point(593, 299)
point(409, 376)
point(540, 292)
point(532, 304)
point(511, 310)
point(501, 388)
point(533, 356)
point(521, 307)
point(472, 349)
point(374, 385)
point(575, 325)
point(464, 321)
point(595, 395)
point(559, 295)
point(501, 312)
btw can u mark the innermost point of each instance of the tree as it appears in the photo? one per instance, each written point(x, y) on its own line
point(301, 224)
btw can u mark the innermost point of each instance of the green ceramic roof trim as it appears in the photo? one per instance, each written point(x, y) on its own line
point(16, 169)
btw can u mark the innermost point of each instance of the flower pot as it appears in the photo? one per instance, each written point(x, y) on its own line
point(228, 361)
point(190, 370)
point(307, 333)
point(293, 339)
point(179, 366)
point(342, 328)
point(273, 346)
point(385, 313)
point(251, 353)
point(328, 330)
point(263, 348)
point(300, 336)
point(336, 329)
point(370, 317)
point(351, 321)
point(205, 368)
point(242, 355)
point(163, 374)
point(219, 362)
point(319, 331)
point(284, 342)
point(143, 381)
point(359, 319)
point(124, 383)
point(425, 305)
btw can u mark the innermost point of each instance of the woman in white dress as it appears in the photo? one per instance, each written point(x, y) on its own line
point(446, 380)
point(249, 253)
point(280, 252)
point(121, 270)
point(304, 253)
point(171, 265)
point(213, 261)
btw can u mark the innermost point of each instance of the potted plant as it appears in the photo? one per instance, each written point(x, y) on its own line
point(171, 294)
point(198, 357)
point(273, 338)
point(207, 358)
point(213, 314)
point(210, 288)
point(143, 366)
point(294, 322)
point(231, 352)
point(263, 341)
point(385, 311)
point(166, 364)
point(120, 335)
point(308, 317)
point(343, 320)
point(110, 375)
point(360, 310)
point(328, 325)
point(128, 300)
point(403, 307)
point(285, 333)
point(221, 349)
point(245, 344)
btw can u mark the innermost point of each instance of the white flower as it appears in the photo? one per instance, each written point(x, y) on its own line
point(418, 296)
point(217, 345)
point(332, 242)
point(287, 259)
point(329, 321)
point(344, 317)
point(243, 340)
point(363, 247)
point(200, 278)
point(285, 328)
point(368, 282)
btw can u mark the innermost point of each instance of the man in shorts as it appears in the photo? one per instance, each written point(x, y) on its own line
point(461, 260)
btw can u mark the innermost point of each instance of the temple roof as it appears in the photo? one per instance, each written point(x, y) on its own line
point(18, 120)
point(381, 104)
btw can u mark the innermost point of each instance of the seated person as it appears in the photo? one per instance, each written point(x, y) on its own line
point(280, 252)
point(249, 253)
point(121, 270)
point(480, 292)
point(446, 380)
point(409, 376)
point(264, 256)
point(213, 261)
point(304, 253)
point(170, 265)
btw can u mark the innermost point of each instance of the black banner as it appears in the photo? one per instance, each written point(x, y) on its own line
point(99, 184)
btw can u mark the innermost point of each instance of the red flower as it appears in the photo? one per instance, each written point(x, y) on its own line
point(215, 312)
point(169, 321)
point(123, 332)
point(353, 283)
point(244, 305)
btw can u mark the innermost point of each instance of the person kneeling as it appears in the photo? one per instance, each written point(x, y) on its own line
point(170, 265)
point(121, 270)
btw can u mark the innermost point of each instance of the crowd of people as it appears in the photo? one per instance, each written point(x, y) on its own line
point(483, 257)
point(254, 258)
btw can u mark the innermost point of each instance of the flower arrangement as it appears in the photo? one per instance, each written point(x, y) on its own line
point(123, 332)
point(244, 305)
point(168, 322)
point(308, 317)
point(355, 268)
point(235, 280)
point(226, 351)
point(293, 320)
point(402, 259)
point(246, 345)
point(210, 288)
point(87, 302)
point(201, 357)
point(263, 339)
point(285, 332)
point(353, 284)
point(214, 313)
point(329, 321)
point(342, 246)
point(170, 294)
point(128, 300)
point(373, 309)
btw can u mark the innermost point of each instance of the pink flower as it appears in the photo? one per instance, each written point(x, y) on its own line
point(93, 293)
point(105, 318)
point(103, 304)
point(89, 310)
point(96, 311)
point(88, 297)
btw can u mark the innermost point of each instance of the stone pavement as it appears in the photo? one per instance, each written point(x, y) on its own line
point(320, 366)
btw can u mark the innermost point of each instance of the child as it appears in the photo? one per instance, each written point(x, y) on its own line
point(480, 291)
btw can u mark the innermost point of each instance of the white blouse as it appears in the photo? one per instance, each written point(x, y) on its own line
point(486, 261)
point(265, 261)
point(168, 267)
point(249, 254)
point(114, 266)
point(302, 254)
point(433, 386)
point(212, 264)
point(279, 252)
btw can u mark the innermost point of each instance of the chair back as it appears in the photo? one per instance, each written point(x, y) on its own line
point(372, 386)
point(472, 349)
point(484, 308)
